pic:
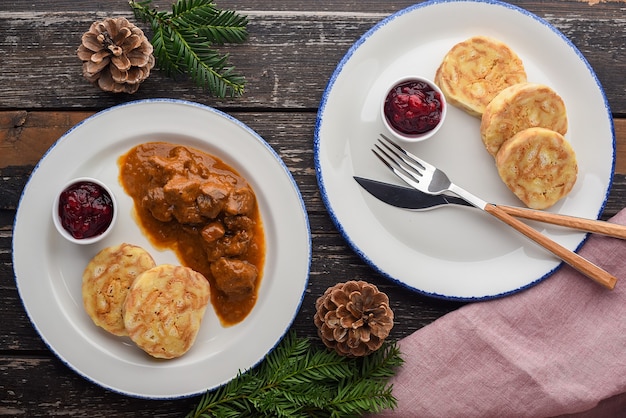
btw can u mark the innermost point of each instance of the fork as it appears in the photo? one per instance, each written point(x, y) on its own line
point(427, 178)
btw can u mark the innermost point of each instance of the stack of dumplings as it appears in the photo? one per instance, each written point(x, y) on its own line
point(159, 308)
point(522, 123)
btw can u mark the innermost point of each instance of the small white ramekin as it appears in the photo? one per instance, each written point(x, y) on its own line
point(57, 220)
point(414, 137)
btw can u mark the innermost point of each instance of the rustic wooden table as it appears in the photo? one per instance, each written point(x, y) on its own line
point(293, 49)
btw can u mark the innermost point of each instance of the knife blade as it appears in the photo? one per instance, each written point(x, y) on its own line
point(406, 197)
point(409, 198)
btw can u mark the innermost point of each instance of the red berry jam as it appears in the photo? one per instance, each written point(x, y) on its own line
point(85, 209)
point(413, 107)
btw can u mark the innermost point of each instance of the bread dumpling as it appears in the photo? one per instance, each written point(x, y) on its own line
point(539, 166)
point(474, 71)
point(164, 309)
point(521, 106)
point(106, 280)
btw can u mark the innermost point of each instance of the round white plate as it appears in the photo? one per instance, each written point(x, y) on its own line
point(453, 252)
point(49, 269)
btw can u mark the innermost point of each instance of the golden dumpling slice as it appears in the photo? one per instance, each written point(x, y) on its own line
point(474, 71)
point(538, 165)
point(518, 107)
point(106, 280)
point(164, 309)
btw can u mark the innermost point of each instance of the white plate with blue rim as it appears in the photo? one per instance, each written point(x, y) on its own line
point(49, 268)
point(453, 252)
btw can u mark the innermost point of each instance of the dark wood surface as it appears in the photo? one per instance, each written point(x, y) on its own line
point(294, 47)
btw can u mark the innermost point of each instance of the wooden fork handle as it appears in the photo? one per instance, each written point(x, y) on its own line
point(589, 225)
point(576, 261)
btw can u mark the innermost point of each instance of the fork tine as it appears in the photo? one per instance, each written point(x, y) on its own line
point(410, 178)
point(381, 158)
point(406, 154)
point(400, 156)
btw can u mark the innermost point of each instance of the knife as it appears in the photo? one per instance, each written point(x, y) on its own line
point(409, 198)
point(406, 197)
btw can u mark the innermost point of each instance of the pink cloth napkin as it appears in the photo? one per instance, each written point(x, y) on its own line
point(557, 348)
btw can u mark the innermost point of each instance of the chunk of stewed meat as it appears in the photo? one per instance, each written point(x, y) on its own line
point(179, 161)
point(237, 244)
point(229, 237)
point(240, 202)
point(154, 202)
point(180, 193)
point(238, 223)
point(212, 198)
point(235, 278)
point(213, 231)
point(180, 190)
point(232, 244)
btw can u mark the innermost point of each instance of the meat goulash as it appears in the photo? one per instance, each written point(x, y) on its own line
point(195, 204)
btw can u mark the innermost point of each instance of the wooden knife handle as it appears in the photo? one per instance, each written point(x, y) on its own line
point(576, 261)
point(589, 225)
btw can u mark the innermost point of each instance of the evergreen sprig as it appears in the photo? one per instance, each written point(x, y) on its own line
point(184, 41)
point(298, 380)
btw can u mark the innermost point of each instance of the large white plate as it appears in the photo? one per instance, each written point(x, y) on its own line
point(48, 269)
point(453, 252)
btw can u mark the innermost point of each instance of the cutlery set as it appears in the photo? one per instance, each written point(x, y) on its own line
point(428, 188)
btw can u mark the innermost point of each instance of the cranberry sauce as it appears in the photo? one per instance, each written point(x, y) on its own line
point(413, 107)
point(85, 209)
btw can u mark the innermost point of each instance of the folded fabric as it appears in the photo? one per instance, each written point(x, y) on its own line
point(556, 348)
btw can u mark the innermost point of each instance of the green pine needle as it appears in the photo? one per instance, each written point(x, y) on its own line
point(297, 380)
point(184, 40)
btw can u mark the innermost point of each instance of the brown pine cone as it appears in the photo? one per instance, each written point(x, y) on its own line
point(353, 318)
point(116, 55)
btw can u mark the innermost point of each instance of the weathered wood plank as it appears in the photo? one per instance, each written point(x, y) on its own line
point(48, 394)
point(38, 49)
point(242, 5)
point(26, 136)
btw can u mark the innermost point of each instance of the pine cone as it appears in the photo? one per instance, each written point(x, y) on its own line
point(353, 318)
point(116, 55)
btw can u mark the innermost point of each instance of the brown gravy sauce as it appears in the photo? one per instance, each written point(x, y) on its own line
point(202, 209)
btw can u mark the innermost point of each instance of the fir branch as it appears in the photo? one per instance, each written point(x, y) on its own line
point(184, 40)
point(217, 26)
point(297, 380)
